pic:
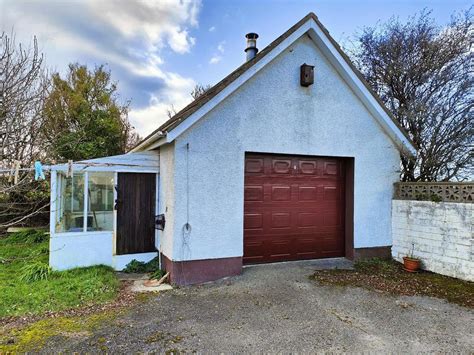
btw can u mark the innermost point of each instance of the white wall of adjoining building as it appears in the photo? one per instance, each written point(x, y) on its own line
point(441, 235)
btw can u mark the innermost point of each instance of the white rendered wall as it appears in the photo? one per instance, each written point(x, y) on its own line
point(70, 250)
point(442, 234)
point(166, 198)
point(272, 113)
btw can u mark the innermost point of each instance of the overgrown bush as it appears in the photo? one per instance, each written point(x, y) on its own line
point(141, 267)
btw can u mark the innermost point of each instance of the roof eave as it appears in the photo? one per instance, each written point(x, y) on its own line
point(149, 142)
point(319, 34)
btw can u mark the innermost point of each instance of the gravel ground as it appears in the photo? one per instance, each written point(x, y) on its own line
point(277, 307)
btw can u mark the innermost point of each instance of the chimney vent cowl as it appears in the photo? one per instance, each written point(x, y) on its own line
point(251, 49)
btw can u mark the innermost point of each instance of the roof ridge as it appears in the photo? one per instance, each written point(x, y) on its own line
point(196, 104)
point(218, 87)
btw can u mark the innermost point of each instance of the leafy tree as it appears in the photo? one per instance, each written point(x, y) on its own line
point(83, 118)
point(424, 74)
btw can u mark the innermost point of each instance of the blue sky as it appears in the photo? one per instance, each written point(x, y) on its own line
point(158, 50)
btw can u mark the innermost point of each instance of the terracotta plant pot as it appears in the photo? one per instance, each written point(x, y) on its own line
point(411, 264)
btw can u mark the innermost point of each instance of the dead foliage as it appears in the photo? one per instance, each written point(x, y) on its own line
point(389, 277)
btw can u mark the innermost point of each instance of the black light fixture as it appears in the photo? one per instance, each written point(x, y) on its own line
point(306, 75)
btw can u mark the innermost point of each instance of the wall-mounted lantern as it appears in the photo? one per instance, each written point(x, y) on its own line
point(306, 75)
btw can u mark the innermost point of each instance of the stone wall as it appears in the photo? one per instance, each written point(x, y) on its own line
point(441, 235)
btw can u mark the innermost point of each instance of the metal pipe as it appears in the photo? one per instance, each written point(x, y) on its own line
point(251, 50)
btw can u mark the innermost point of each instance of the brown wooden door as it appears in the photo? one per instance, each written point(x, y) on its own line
point(136, 195)
point(293, 208)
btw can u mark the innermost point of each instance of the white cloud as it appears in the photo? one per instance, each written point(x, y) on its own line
point(215, 59)
point(128, 35)
point(212, 28)
point(217, 56)
point(176, 94)
point(154, 21)
point(220, 47)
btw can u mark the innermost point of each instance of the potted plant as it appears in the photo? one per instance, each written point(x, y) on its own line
point(410, 263)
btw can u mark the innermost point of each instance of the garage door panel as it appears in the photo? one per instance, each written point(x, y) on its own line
point(307, 193)
point(253, 193)
point(332, 218)
point(253, 221)
point(331, 168)
point(281, 220)
point(308, 167)
point(308, 219)
point(252, 250)
point(279, 248)
point(331, 193)
point(293, 208)
point(281, 166)
point(280, 193)
point(254, 165)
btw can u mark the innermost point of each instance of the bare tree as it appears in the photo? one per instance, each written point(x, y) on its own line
point(199, 90)
point(424, 74)
point(23, 87)
point(171, 111)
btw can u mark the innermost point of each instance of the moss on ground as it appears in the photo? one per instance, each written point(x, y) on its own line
point(388, 276)
point(33, 337)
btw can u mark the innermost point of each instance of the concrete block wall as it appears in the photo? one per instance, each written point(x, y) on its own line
point(441, 233)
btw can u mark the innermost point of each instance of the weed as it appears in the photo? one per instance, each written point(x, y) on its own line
point(28, 236)
point(152, 266)
point(35, 271)
point(158, 274)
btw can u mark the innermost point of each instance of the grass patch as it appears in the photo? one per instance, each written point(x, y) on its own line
point(388, 276)
point(28, 286)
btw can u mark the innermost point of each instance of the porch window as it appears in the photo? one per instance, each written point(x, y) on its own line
point(88, 194)
point(100, 212)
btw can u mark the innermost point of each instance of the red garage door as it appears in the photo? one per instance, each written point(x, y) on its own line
point(294, 208)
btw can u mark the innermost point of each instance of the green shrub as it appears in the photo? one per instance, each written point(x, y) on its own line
point(141, 267)
point(158, 274)
point(35, 271)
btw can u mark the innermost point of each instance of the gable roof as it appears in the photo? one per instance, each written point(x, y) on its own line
point(310, 24)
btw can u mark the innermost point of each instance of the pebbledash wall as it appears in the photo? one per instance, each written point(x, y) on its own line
point(441, 234)
point(272, 113)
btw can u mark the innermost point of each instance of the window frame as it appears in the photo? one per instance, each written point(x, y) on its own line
point(58, 181)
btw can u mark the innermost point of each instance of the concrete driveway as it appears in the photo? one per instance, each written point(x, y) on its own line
point(278, 308)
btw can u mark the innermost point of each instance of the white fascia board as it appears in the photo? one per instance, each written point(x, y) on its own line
point(323, 42)
point(158, 143)
point(187, 123)
point(143, 146)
